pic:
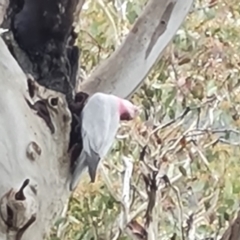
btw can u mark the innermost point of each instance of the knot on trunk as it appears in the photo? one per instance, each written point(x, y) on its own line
point(18, 209)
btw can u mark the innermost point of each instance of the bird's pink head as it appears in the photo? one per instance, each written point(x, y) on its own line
point(127, 110)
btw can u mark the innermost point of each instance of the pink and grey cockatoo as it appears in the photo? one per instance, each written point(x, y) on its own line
point(100, 120)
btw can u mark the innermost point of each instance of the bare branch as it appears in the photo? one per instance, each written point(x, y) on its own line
point(124, 216)
point(124, 71)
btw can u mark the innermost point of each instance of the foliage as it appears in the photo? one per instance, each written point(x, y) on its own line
point(189, 123)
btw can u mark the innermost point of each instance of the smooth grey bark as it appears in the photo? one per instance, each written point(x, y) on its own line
point(30, 151)
point(125, 70)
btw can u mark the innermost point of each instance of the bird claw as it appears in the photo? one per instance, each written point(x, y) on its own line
point(78, 126)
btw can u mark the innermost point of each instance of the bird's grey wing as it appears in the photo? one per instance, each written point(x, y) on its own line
point(97, 116)
point(95, 144)
point(99, 149)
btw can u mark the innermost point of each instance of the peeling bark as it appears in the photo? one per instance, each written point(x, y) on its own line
point(160, 29)
point(125, 70)
point(51, 56)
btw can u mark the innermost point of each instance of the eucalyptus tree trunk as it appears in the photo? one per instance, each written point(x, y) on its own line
point(39, 67)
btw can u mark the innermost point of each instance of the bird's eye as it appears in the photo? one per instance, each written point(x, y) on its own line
point(125, 117)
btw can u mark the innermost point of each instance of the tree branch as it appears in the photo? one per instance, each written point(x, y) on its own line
point(124, 71)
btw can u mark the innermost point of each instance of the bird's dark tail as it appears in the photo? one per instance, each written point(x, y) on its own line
point(92, 163)
point(77, 171)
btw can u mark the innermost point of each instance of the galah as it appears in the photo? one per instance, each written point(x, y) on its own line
point(99, 120)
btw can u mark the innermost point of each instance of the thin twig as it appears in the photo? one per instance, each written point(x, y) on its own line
point(111, 20)
point(124, 215)
point(176, 191)
point(108, 183)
